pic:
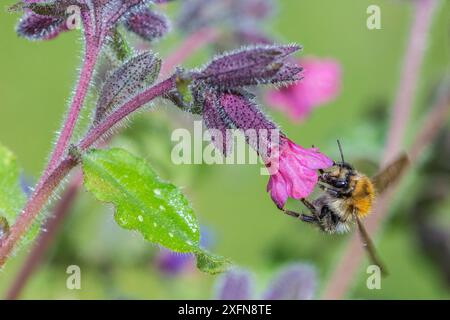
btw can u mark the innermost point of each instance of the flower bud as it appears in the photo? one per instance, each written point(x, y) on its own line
point(251, 66)
point(147, 24)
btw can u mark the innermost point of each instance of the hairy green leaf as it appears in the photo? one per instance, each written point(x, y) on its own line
point(157, 209)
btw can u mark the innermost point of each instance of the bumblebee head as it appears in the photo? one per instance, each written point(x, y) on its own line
point(340, 174)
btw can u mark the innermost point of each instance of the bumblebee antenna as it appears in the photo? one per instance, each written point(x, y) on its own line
point(340, 150)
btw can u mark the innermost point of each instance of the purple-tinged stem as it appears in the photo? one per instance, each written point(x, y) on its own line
point(190, 45)
point(37, 201)
point(50, 182)
point(187, 48)
point(414, 55)
point(52, 225)
point(109, 122)
point(87, 71)
point(344, 274)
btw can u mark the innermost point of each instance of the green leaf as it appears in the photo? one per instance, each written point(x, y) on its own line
point(120, 46)
point(183, 87)
point(157, 209)
point(12, 197)
point(210, 263)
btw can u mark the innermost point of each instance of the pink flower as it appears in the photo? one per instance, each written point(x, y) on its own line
point(321, 84)
point(293, 171)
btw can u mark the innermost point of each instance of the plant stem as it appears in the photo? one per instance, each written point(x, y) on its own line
point(344, 274)
point(109, 122)
point(189, 46)
point(90, 58)
point(414, 55)
point(50, 182)
point(52, 225)
point(37, 201)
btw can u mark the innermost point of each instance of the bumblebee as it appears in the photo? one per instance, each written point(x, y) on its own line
point(347, 197)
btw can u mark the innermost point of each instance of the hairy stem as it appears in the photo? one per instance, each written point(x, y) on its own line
point(50, 182)
point(344, 274)
point(37, 201)
point(46, 236)
point(109, 122)
point(87, 71)
point(189, 47)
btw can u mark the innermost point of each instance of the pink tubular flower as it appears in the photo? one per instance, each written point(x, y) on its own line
point(321, 84)
point(293, 171)
point(220, 90)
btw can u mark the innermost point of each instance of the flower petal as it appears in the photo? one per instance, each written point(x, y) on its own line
point(278, 190)
point(311, 157)
point(293, 171)
point(300, 179)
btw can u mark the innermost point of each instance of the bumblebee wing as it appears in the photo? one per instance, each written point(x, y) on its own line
point(369, 246)
point(391, 173)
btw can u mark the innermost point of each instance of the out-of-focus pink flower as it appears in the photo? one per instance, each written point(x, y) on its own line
point(321, 84)
point(293, 171)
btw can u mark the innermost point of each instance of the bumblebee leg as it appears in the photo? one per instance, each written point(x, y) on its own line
point(301, 216)
point(310, 206)
point(308, 218)
point(334, 192)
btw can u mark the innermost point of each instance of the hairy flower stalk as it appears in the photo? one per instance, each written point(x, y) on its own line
point(187, 48)
point(218, 91)
point(44, 20)
point(50, 182)
point(99, 18)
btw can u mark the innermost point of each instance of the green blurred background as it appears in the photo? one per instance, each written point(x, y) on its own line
point(36, 80)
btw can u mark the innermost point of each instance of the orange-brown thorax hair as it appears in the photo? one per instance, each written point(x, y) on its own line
point(361, 190)
point(363, 195)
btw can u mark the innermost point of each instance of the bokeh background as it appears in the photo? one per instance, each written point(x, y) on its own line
point(36, 80)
